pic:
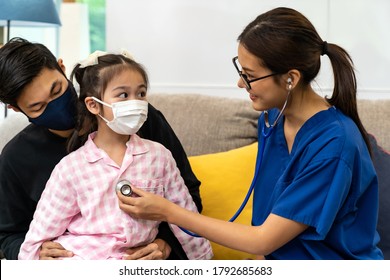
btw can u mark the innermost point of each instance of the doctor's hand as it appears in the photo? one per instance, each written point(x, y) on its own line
point(157, 250)
point(145, 205)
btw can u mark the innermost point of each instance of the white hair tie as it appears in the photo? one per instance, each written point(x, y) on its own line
point(92, 59)
point(126, 53)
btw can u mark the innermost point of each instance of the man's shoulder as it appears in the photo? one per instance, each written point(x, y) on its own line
point(32, 139)
point(20, 139)
point(155, 114)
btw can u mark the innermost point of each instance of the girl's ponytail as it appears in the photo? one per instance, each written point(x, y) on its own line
point(86, 123)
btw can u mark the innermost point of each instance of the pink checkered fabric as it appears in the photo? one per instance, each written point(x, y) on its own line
point(79, 206)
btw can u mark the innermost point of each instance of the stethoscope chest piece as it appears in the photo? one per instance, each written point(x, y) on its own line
point(124, 187)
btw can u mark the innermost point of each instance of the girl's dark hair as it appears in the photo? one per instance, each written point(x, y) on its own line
point(20, 62)
point(284, 39)
point(93, 81)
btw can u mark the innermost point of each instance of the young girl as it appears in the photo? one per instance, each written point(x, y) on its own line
point(79, 206)
point(316, 196)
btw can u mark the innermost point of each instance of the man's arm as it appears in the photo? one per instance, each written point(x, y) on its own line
point(15, 213)
point(10, 244)
point(165, 233)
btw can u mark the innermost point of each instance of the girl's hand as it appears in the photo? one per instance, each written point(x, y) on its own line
point(144, 205)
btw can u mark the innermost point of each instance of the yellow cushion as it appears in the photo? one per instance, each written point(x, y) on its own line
point(226, 178)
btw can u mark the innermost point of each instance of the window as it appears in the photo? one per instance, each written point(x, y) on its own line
point(97, 23)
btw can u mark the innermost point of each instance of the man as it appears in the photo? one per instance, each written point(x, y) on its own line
point(31, 82)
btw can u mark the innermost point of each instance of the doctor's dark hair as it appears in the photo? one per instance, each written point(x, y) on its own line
point(93, 81)
point(284, 39)
point(20, 62)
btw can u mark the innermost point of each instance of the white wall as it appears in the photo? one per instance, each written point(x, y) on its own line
point(187, 45)
point(74, 43)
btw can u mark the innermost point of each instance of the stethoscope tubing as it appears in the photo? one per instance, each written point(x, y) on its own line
point(266, 134)
point(260, 153)
point(124, 186)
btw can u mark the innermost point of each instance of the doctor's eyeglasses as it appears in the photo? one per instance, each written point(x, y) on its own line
point(244, 77)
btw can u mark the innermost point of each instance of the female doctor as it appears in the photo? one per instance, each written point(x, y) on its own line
point(315, 189)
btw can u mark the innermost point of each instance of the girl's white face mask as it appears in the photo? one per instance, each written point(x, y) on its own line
point(129, 115)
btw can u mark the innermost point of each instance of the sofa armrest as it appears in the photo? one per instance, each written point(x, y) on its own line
point(375, 116)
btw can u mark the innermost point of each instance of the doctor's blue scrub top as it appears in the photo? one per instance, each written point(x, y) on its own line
point(327, 182)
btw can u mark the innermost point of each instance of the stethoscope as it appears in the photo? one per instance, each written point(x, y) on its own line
point(124, 186)
point(266, 133)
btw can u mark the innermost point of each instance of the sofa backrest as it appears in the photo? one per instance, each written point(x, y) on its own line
point(208, 124)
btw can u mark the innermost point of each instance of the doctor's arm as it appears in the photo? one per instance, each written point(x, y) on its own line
point(259, 240)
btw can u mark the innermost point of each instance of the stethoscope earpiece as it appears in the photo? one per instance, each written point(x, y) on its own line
point(124, 187)
point(289, 82)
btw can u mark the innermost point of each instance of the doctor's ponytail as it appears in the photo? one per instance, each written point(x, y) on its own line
point(345, 87)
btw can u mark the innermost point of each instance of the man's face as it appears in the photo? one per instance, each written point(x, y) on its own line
point(47, 86)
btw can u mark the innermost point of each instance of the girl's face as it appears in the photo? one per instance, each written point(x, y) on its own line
point(265, 93)
point(128, 85)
